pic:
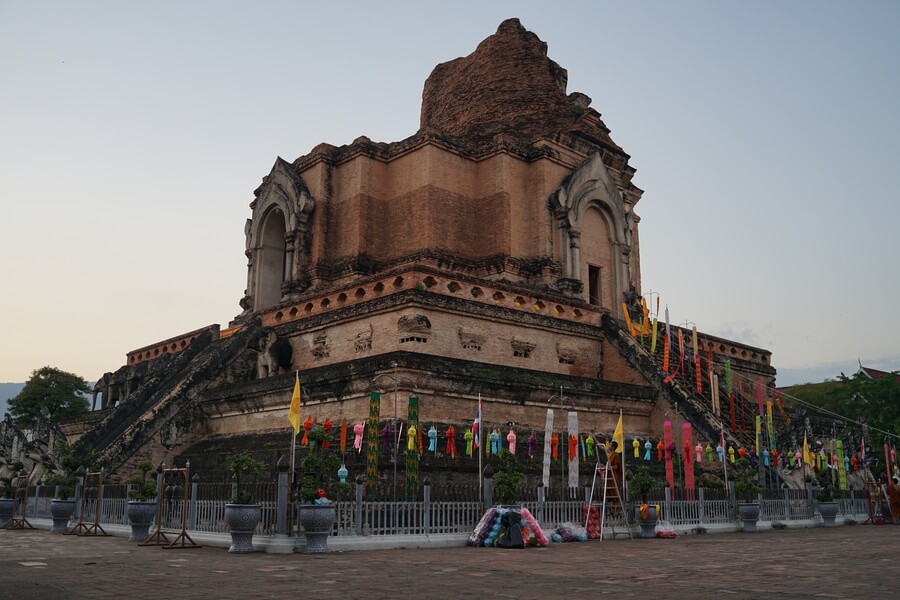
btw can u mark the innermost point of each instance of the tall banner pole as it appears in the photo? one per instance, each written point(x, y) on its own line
point(480, 449)
point(293, 453)
point(548, 432)
point(622, 450)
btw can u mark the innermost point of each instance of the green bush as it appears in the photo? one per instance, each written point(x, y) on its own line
point(142, 489)
point(242, 466)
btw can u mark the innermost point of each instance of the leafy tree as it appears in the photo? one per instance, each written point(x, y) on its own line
point(57, 391)
point(861, 398)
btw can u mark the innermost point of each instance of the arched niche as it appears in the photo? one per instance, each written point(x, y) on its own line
point(277, 239)
point(595, 228)
point(270, 264)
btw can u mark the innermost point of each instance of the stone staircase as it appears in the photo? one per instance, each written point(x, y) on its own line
point(164, 404)
point(680, 392)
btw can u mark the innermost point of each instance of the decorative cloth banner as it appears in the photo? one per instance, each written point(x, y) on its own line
point(686, 441)
point(636, 444)
point(770, 424)
point(758, 431)
point(511, 441)
point(717, 410)
point(698, 373)
point(666, 342)
point(307, 427)
point(372, 445)
point(842, 468)
point(343, 435)
point(469, 436)
point(653, 336)
point(666, 353)
point(451, 442)
point(548, 432)
point(432, 439)
point(412, 449)
point(645, 319)
point(628, 322)
point(573, 446)
point(729, 379)
point(532, 445)
point(681, 352)
point(495, 442)
point(667, 437)
point(358, 431)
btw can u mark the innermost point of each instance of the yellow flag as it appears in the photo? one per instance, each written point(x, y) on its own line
point(294, 412)
point(618, 437)
point(805, 450)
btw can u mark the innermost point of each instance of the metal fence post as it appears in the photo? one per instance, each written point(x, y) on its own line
point(426, 496)
point(542, 497)
point(192, 513)
point(488, 498)
point(810, 509)
point(281, 508)
point(667, 502)
point(360, 491)
point(79, 490)
point(701, 508)
point(160, 481)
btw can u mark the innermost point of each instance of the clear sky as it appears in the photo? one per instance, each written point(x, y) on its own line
point(765, 134)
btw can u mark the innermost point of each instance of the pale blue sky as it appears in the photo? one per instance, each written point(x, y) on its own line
point(132, 135)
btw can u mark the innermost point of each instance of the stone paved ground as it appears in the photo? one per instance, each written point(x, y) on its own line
point(845, 562)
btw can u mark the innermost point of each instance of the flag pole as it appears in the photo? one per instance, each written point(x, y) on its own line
point(480, 428)
point(624, 492)
point(293, 453)
point(724, 458)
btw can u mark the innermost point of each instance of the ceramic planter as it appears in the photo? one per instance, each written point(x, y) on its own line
point(61, 511)
point(648, 525)
point(242, 520)
point(317, 521)
point(749, 514)
point(828, 510)
point(140, 514)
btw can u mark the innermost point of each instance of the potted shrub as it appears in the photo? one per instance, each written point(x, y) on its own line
point(243, 513)
point(827, 505)
point(316, 490)
point(747, 490)
point(142, 503)
point(7, 503)
point(62, 505)
point(507, 480)
point(638, 490)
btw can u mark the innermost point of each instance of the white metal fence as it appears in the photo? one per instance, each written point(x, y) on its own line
point(205, 509)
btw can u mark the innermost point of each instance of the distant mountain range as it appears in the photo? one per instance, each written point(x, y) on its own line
point(7, 391)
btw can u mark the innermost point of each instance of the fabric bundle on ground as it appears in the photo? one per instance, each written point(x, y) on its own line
point(507, 528)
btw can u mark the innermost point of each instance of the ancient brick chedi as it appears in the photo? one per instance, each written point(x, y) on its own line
point(489, 254)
